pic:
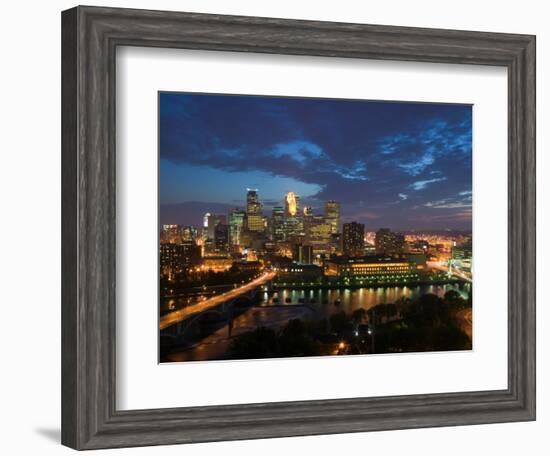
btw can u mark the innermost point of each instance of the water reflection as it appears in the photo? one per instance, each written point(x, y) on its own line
point(328, 301)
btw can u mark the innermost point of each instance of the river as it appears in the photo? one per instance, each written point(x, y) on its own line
point(276, 309)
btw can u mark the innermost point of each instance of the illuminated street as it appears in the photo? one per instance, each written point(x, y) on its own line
point(182, 314)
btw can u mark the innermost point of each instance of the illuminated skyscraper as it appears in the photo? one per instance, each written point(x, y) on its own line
point(278, 224)
point(353, 239)
point(332, 214)
point(317, 234)
point(292, 204)
point(236, 226)
point(253, 205)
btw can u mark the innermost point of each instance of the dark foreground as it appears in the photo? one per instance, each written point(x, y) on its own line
point(424, 324)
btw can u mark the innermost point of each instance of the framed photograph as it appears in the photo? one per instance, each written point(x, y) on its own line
point(280, 228)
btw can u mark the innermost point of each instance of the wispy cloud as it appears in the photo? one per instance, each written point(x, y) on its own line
point(415, 152)
point(463, 200)
point(422, 184)
point(403, 196)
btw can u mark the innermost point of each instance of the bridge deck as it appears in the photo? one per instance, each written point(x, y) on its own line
point(182, 314)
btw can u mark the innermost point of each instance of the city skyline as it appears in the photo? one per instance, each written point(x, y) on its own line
point(312, 227)
point(411, 173)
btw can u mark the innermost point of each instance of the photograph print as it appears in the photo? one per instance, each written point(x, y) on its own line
point(298, 227)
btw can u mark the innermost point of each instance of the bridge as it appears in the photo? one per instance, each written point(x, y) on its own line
point(212, 303)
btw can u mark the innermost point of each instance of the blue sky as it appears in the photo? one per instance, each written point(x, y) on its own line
point(390, 164)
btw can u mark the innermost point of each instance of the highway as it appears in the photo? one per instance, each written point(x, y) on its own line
point(182, 314)
point(443, 267)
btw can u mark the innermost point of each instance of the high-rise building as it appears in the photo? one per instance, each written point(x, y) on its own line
point(210, 222)
point(253, 205)
point(177, 257)
point(278, 224)
point(303, 254)
point(292, 204)
point(254, 218)
point(221, 238)
point(236, 226)
point(308, 211)
point(332, 214)
point(353, 239)
point(318, 235)
point(255, 222)
point(389, 243)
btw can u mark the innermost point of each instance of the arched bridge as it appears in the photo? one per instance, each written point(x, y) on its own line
point(180, 315)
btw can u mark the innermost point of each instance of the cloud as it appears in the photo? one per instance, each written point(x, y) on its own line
point(417, 151)
point(463, 200)
point(403, 196)
point(421, 185)
point(346, 150)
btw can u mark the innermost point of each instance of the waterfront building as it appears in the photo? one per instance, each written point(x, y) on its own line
point(218, 263)
point(303, 254)
point(353, 239)
point(247, 266)
point(371, 267)
point(332, 215)
point(389, 243)
point(299, 273)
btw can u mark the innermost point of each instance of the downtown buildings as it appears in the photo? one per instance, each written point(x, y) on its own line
point(285, 233)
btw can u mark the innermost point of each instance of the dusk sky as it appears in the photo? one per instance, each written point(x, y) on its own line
point(395, 165)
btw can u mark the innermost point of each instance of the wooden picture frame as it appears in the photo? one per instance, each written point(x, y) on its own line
point(90, 36)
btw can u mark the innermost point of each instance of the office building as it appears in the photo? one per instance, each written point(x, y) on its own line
point(353, 235)
point(332, 215)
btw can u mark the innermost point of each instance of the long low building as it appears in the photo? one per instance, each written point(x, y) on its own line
point(371, 266)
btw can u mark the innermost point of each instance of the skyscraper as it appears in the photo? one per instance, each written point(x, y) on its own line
point(236, 226)
point(353, 239)
point(221, 238)
point(292, 204)
point(210, 222)
point(278, 224)
point(332, 214)
point(318, 233)
point(254, 218)
point(253, 205)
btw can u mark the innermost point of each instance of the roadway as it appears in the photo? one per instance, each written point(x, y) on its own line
point(443, 267)
point(182, 314)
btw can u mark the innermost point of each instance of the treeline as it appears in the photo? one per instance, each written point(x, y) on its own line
point(425, 324)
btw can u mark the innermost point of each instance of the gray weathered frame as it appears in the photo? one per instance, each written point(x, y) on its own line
point(90, 36)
